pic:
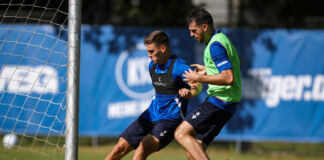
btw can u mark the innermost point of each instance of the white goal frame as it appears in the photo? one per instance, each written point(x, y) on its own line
point(73, 79)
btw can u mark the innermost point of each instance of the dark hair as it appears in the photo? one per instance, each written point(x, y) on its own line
point(200, 16)
point(158, 37)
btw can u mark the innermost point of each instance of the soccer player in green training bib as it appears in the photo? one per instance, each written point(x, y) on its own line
point(222, 74)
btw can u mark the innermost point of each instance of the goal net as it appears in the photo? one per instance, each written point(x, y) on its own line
point(33, 71)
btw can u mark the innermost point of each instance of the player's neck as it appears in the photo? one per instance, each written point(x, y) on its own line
point(166, 58)
point(209, 34)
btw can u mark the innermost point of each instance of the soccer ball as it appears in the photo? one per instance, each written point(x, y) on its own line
point(9, 140)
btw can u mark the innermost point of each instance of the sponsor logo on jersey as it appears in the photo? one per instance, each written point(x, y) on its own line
point(160, 84)
point(222, 63)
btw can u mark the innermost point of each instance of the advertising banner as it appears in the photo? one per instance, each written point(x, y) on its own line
point(33, 63)
point(283, 86)
point(282, 73)
point(282, 81)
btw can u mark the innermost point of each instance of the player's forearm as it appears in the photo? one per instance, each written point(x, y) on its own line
point(195, 89)
point(216, 79)
point(226, 77)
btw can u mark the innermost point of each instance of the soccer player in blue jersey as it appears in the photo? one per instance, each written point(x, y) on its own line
point(222, 74)
point(154, 128)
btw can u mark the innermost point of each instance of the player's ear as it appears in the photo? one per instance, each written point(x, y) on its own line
point(205, 27)
point(163, 48)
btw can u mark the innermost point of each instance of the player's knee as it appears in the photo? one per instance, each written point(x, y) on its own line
point(118, 152)
point(142, 152)
point(148, 145)
point(184, 130)
point(145, 149)
point(178, 134)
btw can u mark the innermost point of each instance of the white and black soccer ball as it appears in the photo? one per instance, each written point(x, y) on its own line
point(9, 140)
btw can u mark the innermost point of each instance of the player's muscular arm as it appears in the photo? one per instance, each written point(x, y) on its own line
point(226, 77)
point(195, 89)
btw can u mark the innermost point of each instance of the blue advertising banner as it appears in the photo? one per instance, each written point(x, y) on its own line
point(282, 79)
point(283, 86)
point(282, 72)
point(32, 79)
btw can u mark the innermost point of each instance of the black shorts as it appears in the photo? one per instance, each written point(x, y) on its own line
point(208, 120)
point(163, 130)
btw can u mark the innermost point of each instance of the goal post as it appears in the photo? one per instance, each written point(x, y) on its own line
point(39, 78)
point(72, 94)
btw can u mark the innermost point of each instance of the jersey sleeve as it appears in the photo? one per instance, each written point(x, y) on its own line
point(219, 56)
point(179, 69)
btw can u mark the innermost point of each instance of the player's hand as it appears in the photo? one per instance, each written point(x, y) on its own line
point(185, 93)
point(200, 69)
point(191, 76)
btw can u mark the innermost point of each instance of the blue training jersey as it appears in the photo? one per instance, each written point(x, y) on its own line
point(168, 106)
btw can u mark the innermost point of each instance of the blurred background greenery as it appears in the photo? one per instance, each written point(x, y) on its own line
point(226, 13)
